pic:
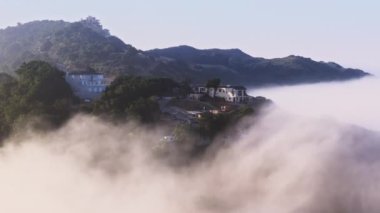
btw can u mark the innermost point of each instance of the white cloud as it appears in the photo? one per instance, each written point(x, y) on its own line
point(356, 102)
point(282, 163)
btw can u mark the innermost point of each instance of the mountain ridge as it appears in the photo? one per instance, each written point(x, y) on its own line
point(86, 44)
point(287, 70)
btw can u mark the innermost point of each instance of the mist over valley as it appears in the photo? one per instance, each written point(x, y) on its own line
point(189, 123)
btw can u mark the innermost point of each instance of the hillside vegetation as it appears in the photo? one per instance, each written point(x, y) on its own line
point(86, 44)
point(238, 67)
point(39, 92)
point(39, 98)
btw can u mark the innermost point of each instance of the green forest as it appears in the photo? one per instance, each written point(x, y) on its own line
point(38, 96)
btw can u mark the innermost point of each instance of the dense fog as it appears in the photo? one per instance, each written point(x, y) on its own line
point(307, 154)
point(356, 102)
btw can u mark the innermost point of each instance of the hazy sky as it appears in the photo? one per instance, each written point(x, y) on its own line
point(345, 31)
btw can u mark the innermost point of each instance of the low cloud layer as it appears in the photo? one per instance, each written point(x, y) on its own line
point(281, 163)
point(356, 102)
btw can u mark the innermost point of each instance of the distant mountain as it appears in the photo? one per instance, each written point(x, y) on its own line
point(79, 46)
point(87, 45)
point(233, 65)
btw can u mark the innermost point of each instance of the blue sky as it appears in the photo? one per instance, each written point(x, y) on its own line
point(345, 31)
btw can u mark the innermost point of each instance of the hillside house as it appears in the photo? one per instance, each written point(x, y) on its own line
point(235, 94)
point(87, 85)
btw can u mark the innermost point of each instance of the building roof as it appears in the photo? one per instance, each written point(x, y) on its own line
point(227, 86)
point(84, 73)
point(235, 87)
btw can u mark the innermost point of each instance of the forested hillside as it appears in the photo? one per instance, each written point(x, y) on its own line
point(87, 45)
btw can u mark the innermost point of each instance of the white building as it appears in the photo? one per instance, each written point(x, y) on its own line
point(236, 94)
point(87, 85)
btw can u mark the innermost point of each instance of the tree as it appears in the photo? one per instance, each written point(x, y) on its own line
point(211, 125)
point(213, 83)
point(94, 24)
point(184, 88)
point(144, 110)
point(40, 82)
point(5, 78)
point(40, 90)
point(7, 87)
point(127, 93)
